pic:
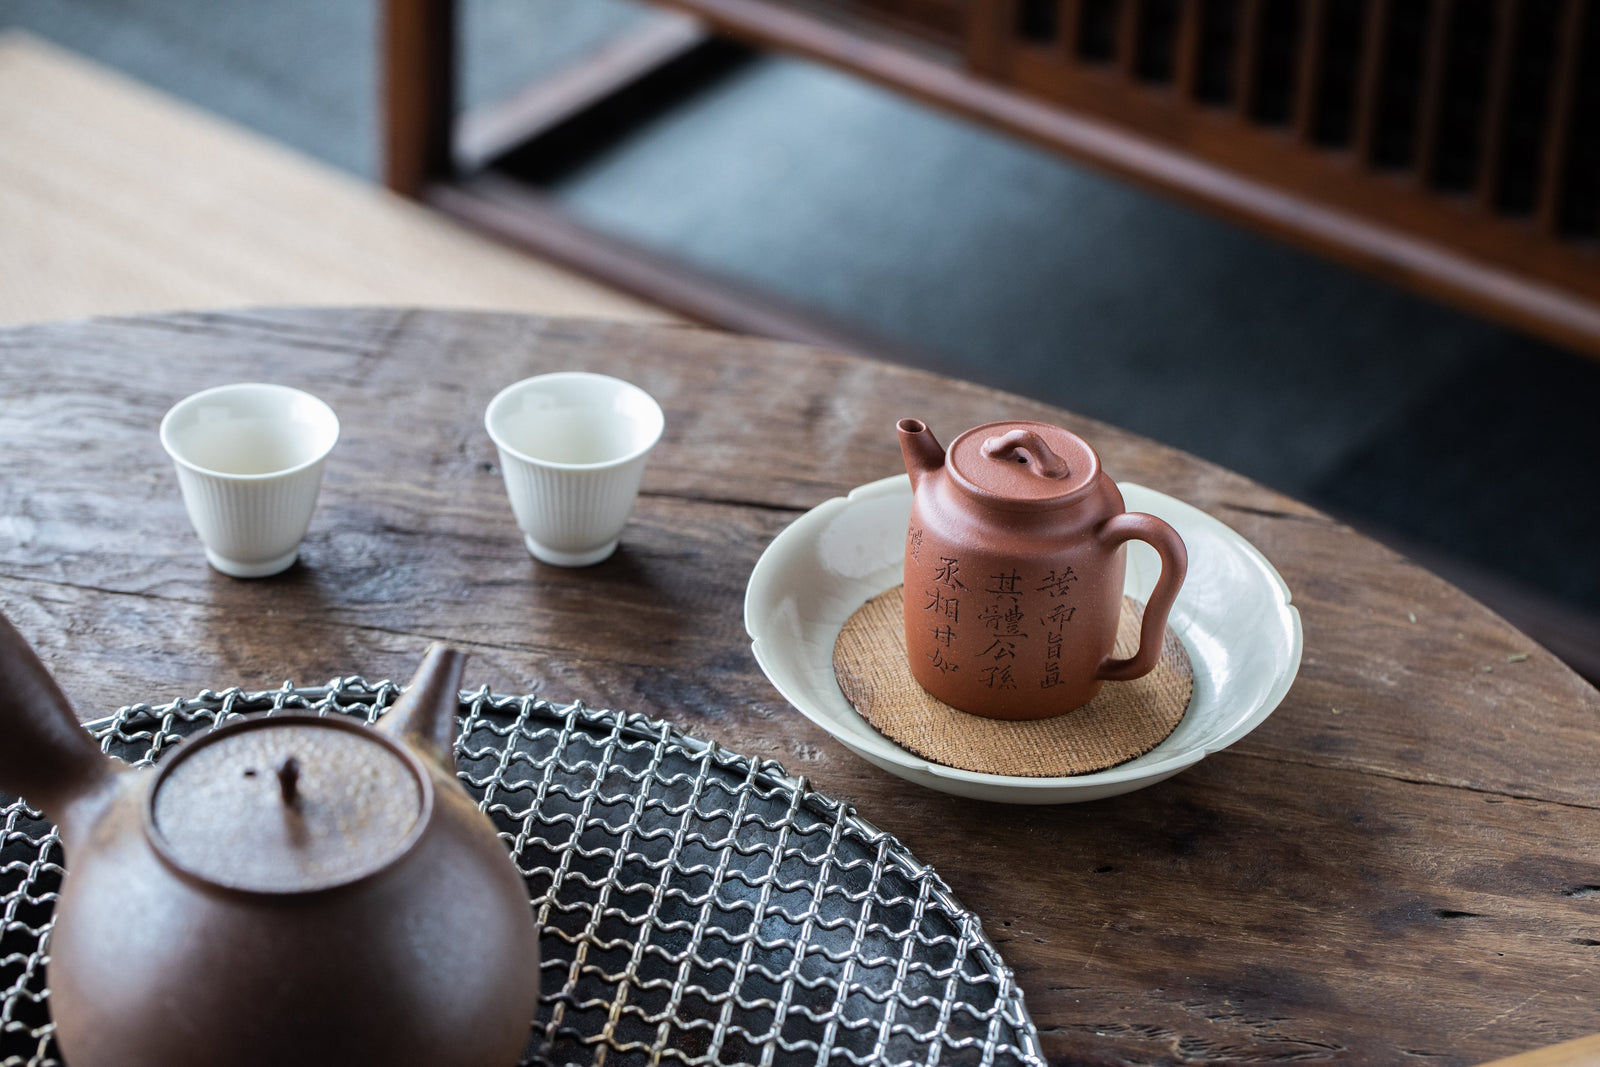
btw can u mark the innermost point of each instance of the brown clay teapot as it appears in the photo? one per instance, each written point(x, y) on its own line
point(281, 890)
point(1014, 569)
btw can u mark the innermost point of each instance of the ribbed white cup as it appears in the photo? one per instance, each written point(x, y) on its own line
point(249, 458)
point(573, 447)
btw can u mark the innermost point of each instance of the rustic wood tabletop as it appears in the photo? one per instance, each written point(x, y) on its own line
point(1402, 864)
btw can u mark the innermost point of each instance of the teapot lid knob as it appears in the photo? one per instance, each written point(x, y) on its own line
point(289, 781)
point(1028, 447)
point(1023, 464)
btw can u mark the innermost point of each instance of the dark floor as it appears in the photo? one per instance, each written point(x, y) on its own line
point(1471, 446)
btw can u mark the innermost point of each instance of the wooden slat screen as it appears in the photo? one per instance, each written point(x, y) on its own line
point(1494, 104)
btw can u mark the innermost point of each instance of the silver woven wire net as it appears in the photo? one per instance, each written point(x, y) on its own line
point(696, 906)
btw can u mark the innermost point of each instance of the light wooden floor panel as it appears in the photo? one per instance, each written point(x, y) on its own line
point(116, 199)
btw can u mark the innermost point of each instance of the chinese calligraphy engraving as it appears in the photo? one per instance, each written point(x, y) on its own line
point(947, 571)
point(945, 604)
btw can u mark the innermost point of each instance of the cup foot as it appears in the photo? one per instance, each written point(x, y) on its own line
point(570, 559)
point(235, 569)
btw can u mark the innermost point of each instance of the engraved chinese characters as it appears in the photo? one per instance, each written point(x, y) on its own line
point(1014, 570)
point(1014, 645)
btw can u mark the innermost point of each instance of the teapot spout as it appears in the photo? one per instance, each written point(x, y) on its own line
point(45, 756)
point(425, 715)
point(921, 450)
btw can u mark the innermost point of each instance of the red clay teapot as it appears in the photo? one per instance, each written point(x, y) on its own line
point(1014, 570)
point(280, 890)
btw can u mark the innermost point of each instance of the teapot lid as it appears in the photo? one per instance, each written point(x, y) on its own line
point(287, 804)
point(1032, 464)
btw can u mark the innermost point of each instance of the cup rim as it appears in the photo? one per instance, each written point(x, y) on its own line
point(193, 398)
point(626, 386)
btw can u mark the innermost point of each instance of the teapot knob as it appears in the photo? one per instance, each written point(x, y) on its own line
point(1025, 446)
point(289, 781)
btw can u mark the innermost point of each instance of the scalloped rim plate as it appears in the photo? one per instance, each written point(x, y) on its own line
point(1233, 616)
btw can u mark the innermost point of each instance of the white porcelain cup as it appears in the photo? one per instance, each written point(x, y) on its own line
point(573, 447)
point(249, 459)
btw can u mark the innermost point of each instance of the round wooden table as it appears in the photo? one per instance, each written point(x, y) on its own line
point(1401, 865)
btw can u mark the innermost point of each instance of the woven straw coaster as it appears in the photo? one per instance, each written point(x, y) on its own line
point(1124, 720)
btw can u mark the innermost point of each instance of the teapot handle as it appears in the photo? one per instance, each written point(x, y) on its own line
point(46, 757)
point(1137, 526)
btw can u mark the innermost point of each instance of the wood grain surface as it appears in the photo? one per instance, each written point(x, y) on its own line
point(1400, 865)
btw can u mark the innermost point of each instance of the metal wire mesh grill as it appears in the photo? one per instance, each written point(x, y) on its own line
point(696, 906)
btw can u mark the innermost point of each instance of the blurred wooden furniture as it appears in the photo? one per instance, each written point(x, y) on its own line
point(1402, 863)
point(1452, 147)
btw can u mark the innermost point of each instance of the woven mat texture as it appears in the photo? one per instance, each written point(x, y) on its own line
point(1124, 720)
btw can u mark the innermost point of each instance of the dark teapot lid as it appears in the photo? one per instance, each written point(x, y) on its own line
point(287, 804)
point(1028, 463)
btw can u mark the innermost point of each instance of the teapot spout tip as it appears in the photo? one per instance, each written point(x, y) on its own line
point(426, 711)
point(438, 650)
point(920, 449)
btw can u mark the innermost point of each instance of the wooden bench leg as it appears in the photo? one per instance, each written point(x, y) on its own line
point(418, 92)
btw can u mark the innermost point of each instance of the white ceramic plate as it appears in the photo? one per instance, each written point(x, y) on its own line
point(1233, 616)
